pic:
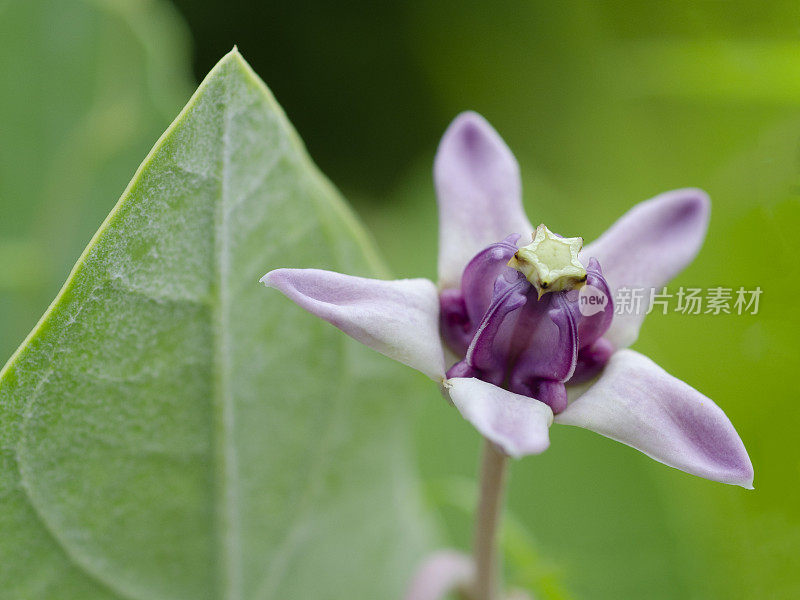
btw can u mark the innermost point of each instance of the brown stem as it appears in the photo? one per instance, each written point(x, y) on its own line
point(492, 482)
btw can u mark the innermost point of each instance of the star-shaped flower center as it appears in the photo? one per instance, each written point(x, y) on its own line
point(550, 262)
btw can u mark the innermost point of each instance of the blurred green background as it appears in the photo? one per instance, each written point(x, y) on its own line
point(604, 104)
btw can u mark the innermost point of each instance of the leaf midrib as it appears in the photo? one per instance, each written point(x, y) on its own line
point(226, 468)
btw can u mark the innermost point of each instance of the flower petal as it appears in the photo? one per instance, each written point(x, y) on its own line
point(397, 318)
point(639, 404)
point(442, 572)
point(489, 350)
point(550, 335)
point(484, 268)
point(593, 320)
point(647, 247)
point(517, 424)
point(462, 309)
point(479, 192)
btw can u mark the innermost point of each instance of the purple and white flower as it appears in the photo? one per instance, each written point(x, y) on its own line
point(503, 334)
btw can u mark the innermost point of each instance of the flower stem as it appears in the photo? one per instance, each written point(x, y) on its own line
point(492, 482)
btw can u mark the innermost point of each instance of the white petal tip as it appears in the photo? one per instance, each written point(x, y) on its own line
point(517, 452)
point(639, 404)
point(742, 480)
point(646, 248)
point(747, 481)
point(468, 119)
point(694, 194)
point(399, 319)
point(479, 193)
point(691, 204)
point(517, 425)
point(269, 279)
point(472, 138)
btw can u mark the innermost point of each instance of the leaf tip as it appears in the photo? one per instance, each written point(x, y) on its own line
point(233, 56)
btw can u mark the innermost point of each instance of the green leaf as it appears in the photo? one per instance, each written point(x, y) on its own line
point(171, 429)
point(87, 86)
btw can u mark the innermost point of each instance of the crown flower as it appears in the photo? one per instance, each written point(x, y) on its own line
point(503, 334)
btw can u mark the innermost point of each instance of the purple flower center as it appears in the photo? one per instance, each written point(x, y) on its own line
point(508, 336)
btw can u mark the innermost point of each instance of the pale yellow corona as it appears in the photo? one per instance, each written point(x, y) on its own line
point(550, 262)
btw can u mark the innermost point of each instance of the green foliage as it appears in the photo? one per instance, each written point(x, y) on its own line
point(171, 429)
point(87, 86)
